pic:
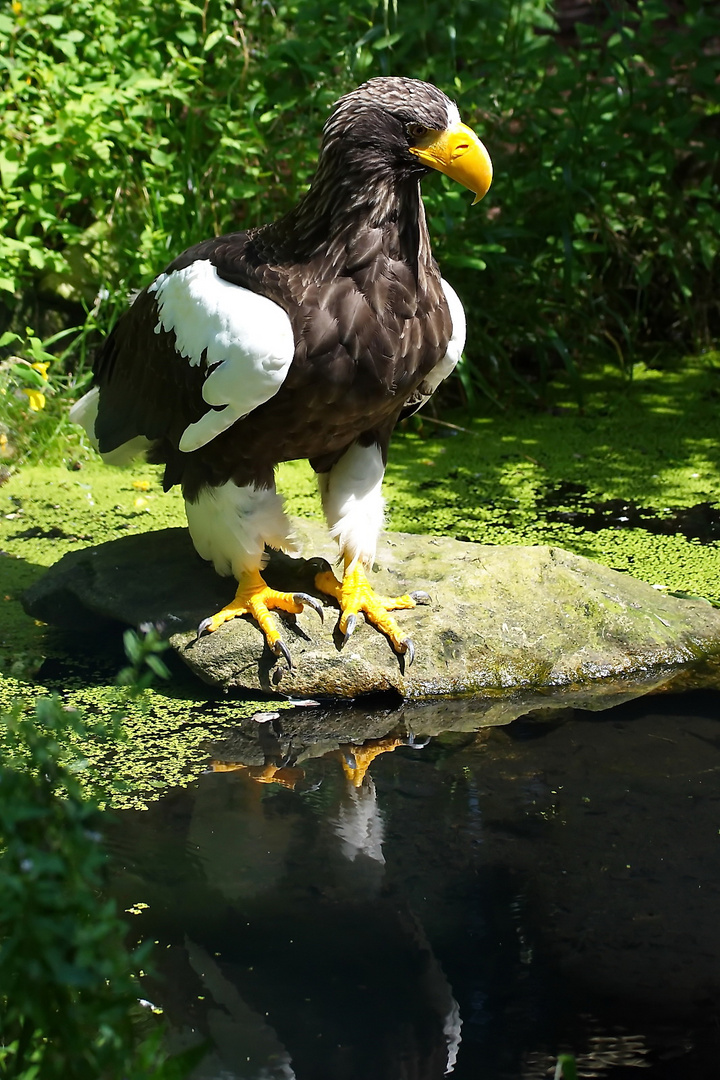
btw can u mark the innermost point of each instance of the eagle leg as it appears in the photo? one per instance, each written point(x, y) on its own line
point(355, 594)
point(255, 598)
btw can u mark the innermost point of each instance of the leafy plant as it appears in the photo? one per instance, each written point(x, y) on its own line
point(26, 377)
point(34, 388)
point(144, 654)
point(566, 1067)
point(128, 132)
point(67, 982)
point(68, 991)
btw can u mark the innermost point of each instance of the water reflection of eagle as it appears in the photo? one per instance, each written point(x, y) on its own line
point(289, 956)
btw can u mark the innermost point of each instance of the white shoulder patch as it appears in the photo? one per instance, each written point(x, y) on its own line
point(247, 341)
point(456, 344)
point(459, 326)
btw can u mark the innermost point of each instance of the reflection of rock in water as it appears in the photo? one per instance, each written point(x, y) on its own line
point(286, 954)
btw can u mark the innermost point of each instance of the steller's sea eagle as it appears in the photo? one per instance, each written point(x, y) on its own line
point(306, 338)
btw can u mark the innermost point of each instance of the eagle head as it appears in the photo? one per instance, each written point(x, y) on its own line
point(405, 127)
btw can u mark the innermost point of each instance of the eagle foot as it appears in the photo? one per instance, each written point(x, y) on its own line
point(355, 594)
point(356, 760)
point(255, 598)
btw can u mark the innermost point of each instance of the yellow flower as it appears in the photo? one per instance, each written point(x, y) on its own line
point(36, 399)
point(16, 7)
point(141, 485)
point(42, 368)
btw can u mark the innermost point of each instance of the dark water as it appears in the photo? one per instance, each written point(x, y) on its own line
point(582, 508)
point(479, 904)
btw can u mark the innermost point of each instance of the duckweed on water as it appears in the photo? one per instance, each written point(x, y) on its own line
point(165, 737)
point(654, 440)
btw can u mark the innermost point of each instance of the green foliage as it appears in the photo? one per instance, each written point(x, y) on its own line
point(143, 652)
point(68, 992)
point(128, 131)
point(33, 393)
point(566, 1068)
point(604, 230)
point(67, 982)
point(131, 129)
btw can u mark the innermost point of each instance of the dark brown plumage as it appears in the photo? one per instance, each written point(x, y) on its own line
point(351, 268)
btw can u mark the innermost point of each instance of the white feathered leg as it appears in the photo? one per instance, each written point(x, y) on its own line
point(354, 510)
point(230, 526)
point(353, 503)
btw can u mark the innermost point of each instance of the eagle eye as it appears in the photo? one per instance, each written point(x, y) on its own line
point(415, 131)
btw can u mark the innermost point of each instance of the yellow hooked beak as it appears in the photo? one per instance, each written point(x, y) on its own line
point(459, 154)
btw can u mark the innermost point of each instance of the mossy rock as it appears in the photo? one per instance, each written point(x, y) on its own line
point(501, 619)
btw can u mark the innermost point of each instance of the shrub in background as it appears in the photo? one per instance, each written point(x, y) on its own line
point(604, 231)
point(128, 131)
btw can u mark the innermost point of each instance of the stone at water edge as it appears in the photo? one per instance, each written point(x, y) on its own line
point(501, 618)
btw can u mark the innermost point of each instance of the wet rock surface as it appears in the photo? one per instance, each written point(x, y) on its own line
point(500, 618)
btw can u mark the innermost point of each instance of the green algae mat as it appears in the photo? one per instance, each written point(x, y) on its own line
point(632, 481)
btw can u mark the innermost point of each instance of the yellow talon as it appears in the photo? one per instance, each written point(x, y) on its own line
point(255, 598)
point(285, 775)
point(355, 594)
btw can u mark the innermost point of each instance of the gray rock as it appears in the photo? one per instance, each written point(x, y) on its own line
point(501, 618)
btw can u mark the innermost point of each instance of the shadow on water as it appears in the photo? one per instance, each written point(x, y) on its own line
point(573, 504)
point(476, 901)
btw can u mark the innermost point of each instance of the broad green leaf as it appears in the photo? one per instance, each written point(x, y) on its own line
point(212, 39)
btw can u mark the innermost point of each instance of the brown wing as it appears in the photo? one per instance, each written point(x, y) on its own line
point(365, 336)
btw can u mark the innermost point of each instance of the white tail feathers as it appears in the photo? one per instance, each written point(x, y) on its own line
point(84, 412)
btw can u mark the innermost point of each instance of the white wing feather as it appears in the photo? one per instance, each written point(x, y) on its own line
point(247, 341)
point(456, 344)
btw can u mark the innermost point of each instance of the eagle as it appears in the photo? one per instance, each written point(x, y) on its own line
point(309, 337)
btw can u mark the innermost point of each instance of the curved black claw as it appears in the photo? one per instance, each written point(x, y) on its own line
point(349, 628)
point(311, 601)
point(281, 649)
point(204, 625)
point(408, 653)
point(418, 744)
point(420, 597)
